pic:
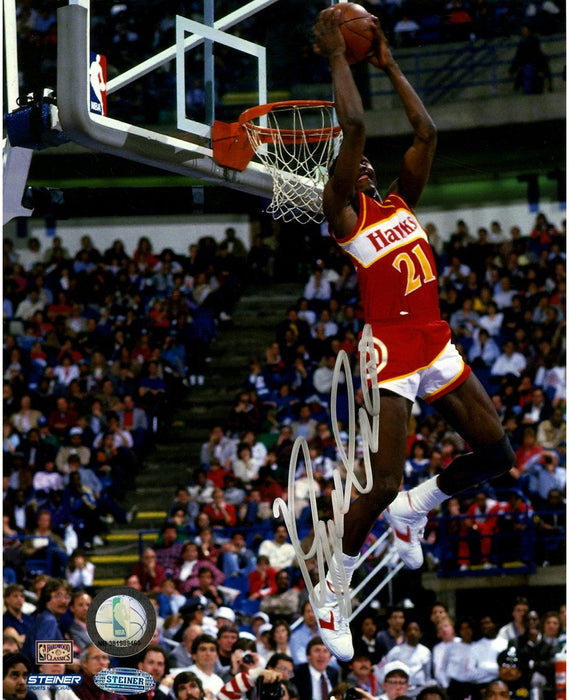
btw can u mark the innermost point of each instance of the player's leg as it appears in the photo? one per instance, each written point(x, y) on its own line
point(469, 410)
point(387, 469)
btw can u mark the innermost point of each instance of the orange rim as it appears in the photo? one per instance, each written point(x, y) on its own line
point(287, 136)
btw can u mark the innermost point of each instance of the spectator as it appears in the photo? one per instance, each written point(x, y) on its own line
point(317, 290)
point(168, 550)
point(80, 573)
point(15, 677)
point(508, 362)
point(477, 532)
point(536, 411)
point(315, 679)
point(262, 579)
point(150, 573)
point(181, 656)
point(388, 638)
point(485, 652)
point(80, 602)
point(218, 446)
point(366, 642)
point(395, 681)
point(530, 66)
point(551, 432)
point(187, 686)
point(545, 474)
point(236, 559)
point(445, 632)
point(221, 514)
point(284, 602)
point(280, 552)
point(205, 655)
point(206, 586)
point(52, 605)
point(416, 656)
point(13, 616)
point(518, 625)
point(154, 662)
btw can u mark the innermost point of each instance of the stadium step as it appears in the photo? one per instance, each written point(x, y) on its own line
point(176, 457)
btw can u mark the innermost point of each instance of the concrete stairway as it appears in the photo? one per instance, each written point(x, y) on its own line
point(173, 462)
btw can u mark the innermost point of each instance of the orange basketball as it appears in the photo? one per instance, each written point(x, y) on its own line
point(356, 26)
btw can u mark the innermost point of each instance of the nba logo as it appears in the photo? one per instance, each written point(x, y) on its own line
point(98, 84)
point(121, 613)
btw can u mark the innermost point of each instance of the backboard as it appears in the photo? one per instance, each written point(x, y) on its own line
point(87, 121)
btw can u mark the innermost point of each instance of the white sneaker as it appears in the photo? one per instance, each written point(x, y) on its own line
point(408, 527)
point(333, 626)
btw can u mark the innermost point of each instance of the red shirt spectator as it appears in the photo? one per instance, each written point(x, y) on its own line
point(150, 574)
point(221, 514)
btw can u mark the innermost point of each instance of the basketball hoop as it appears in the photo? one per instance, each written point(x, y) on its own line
point(295, 141)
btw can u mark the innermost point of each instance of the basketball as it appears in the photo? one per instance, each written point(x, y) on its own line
point(357, 29)
point(121, 618)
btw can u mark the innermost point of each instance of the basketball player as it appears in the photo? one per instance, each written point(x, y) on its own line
point(399, 291)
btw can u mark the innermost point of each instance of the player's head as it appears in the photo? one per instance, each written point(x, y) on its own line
point(365, 179)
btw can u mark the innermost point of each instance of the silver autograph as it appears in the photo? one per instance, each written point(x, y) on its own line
point(328, 535)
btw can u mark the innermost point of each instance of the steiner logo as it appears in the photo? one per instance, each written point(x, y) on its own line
point(124, 681)
point(45, 679)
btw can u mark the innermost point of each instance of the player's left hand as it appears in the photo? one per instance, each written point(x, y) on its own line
point(382, 55)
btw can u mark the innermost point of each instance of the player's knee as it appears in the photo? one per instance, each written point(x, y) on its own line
point(497, 458)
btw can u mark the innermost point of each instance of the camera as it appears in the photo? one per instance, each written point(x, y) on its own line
point(352, 694)
point(248, 659)
point(271, 691)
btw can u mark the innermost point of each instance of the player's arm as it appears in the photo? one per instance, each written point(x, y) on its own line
point(416, 165)
point(339, 191)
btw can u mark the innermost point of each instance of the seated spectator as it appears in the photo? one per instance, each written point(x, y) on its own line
point(518, 625)
point(416, 656)
point(219, 446)
point(317, 290)
point(393, 635)
point(26, 418)
point(13, 616)
point(181, 656)
point(80, 572)
point(169, 600)
point(527, 451)
point(246, 467)
point(445, 632)
point(168, 550)
point(477, 531)
point(62, 418)
point(206, 586)
point(508, 362)
point(150, 574)
point(43, 537)
point(551, 529)
point(243, 416)
point(205, 654)
point(279, 552)
point(134, 420)
point(551, 432)
point(284, 602)
point(236, 559)
point(361, 674)
point(15, 673)
point(52, 604)
point(75, 446)
point(538, 410)
point(80, 602)
point(208, 549)
point(316, 678)
point(545, 474)
point(485, 652)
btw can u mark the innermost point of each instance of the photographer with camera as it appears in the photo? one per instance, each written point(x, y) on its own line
point(248, 676)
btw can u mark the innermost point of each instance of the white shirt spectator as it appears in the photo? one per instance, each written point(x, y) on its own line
point(280, 556)
point(317, 288)
point(417, 658)
point(441, 658)
point(213, 682)
point(509, 363)
point(485, 657)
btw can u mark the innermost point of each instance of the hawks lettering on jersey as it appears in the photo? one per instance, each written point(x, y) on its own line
point(393, 259)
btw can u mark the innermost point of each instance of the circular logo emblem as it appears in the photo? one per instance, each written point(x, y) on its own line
point(121, 621)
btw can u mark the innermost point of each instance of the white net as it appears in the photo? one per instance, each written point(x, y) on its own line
point(296, 146)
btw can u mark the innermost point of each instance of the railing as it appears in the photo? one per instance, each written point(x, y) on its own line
point(515, 546)
point(438, 74)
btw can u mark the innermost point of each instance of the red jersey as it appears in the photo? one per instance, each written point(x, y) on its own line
point(394, 262)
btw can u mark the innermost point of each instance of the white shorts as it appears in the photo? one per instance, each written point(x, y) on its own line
point(445, 373)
